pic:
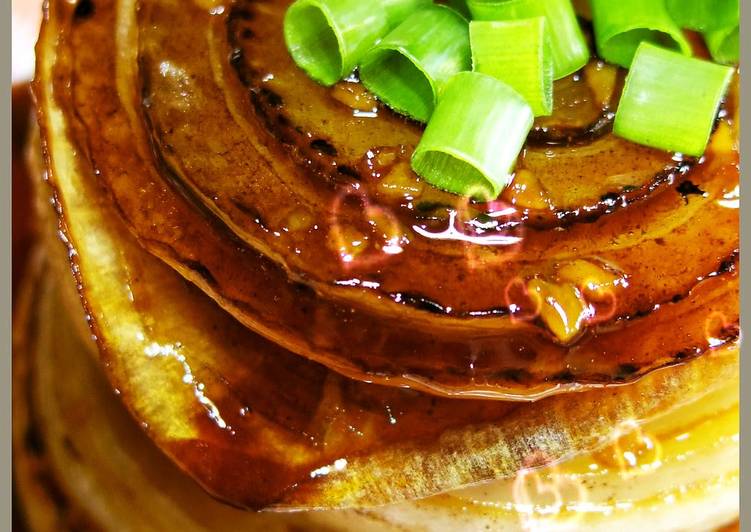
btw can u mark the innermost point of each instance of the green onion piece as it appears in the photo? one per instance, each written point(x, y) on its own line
point(724, 44)
point(568, 46)
point(620, 26)
point(474, 137)
point(704, 15)
point(327, 38)
point(408, 68)
point(670, 101)
point(398, 10)
point(518, 53)
point(460, 6)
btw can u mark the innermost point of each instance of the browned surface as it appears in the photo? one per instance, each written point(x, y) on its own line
point(50, 502)
point(677, 251)
point(294, 413)
point(276, 418)
point(206, 134)
point(301, 416)
point(71, 457)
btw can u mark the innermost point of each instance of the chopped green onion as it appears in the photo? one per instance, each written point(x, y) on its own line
point(621, 26)
point(408, 68)
point(670, 101)
point(704, 15)
point(398, 10)
point(518, 53)
point(474, 136)
point(723, 44)
point(327, 38)
point(568, 46)
point(460, 6)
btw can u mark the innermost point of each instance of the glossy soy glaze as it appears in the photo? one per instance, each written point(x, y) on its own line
point(445, 298)
point(264, 428)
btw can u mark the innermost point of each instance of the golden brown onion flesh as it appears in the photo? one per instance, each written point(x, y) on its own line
point(263, 428)
point(77, 451)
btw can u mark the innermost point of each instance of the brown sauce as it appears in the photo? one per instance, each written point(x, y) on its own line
point(435, 315)
point(284, 419)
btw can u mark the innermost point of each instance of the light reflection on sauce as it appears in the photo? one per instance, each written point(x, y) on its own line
point(338, 465)
point(523, 303)
point(453, 232)
point(357, 282)
point(352, 94)
point(540, 500)
point(717, 329)
point(732, 199)
point(385, 236)
point(632, 451)
point(156, 350)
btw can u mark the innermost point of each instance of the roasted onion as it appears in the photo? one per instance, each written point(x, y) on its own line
point(603, 261)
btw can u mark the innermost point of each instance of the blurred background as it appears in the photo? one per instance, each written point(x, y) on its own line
point(26, 17)
point(27, 14)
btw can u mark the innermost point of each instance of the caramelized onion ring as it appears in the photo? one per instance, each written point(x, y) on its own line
point(430, 318)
